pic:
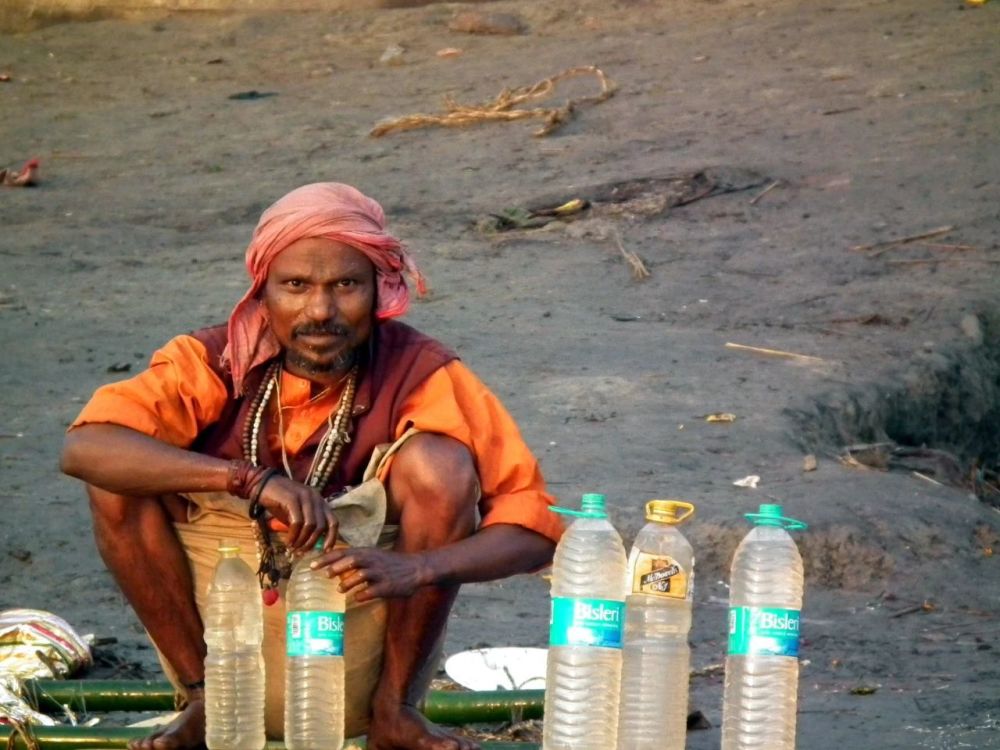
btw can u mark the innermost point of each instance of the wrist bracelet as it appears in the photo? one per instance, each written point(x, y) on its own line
point(256, 509)
point(239, 474)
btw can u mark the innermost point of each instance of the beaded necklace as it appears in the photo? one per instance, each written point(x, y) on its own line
point(274, 566)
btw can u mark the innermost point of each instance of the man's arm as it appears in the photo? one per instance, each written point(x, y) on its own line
point(127, 462)
point(494, 552)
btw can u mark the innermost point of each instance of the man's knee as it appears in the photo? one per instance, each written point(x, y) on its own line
point(436, 473)
point(109, 509)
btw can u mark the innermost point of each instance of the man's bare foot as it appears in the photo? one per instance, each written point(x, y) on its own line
point(186, 732)
point(406, 729)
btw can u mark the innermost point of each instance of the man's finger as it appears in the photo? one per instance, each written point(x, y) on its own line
point(331, 529)
point(343, 564)
point(364, 592)
point(353, 583)
point(329, 557)
point(316, 524)
point(317, 533)
point(308, 526)
point(294, 527)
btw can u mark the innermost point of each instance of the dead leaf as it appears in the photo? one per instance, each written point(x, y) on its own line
point(864, 690)
point(721, 417)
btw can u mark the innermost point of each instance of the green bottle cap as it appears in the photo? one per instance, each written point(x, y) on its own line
point(591, 504)
point(770, 515)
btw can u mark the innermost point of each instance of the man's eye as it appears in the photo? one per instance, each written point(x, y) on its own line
point(347, 282)
point(294, 283)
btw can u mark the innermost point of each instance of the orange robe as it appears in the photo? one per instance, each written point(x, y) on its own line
point(181, 394)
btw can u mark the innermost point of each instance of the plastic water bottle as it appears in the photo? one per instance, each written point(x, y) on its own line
point(657, 657)
point(234, 667)
point(585, 633)
point(762, 667)
point(314, 669)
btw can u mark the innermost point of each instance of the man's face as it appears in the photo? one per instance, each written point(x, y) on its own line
point(320, 300)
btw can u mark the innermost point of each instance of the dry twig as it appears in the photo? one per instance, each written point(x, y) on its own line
point(881, 247)
point(927, 478)
point(926, 261)
point(504, 106)
point(765, 191)
point(950, 248)
point(775, 353)
point(639, 270)
point(926, 606)
point(708, 669)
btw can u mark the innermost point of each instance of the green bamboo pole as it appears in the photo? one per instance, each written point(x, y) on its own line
point(441, 706)
point(483, 706)
point(97, 696)
point(115, 738)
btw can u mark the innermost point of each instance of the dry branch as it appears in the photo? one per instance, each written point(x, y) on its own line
point(503, 108)
point(765, 191)
point(639, 270)
point(925, 261)
point(881, 247)
point(775, 353)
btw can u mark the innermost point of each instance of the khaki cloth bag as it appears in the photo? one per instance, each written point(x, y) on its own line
point(214, 516)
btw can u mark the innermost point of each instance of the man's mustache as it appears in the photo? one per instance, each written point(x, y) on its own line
point(321, 329)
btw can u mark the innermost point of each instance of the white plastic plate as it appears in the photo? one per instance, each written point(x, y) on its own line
point(508, 668)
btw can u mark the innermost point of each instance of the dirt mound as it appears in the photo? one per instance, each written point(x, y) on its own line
point(938, 414)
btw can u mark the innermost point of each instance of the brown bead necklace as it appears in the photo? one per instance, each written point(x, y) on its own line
point(276, 564)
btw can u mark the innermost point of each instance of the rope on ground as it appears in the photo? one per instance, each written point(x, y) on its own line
point(503, 107)
point(22, 730)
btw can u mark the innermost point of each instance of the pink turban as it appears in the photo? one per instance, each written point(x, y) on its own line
point(324, 209)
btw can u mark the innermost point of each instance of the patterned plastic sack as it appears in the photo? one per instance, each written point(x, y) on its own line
point(34, 644)
point(16, 711)
point(37, 644)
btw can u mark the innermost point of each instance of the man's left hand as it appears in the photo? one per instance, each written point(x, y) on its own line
point(371, 573)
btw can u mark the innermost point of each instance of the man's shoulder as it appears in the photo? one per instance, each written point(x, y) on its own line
point(212, 336)
point(214, 339)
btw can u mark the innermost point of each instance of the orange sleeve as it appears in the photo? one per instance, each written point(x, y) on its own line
point(454, 402)
point(173, 400)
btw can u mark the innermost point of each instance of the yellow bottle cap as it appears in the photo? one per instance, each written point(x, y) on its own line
point(669, 511)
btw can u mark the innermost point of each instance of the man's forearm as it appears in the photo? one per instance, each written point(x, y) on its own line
point(127, 462)
point(494, 552)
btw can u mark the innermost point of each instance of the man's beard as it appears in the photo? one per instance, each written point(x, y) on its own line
point(343, 362)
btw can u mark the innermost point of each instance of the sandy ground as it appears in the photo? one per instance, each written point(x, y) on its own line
point(880, 121)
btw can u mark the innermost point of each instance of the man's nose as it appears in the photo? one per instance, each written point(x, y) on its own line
point(322, 305)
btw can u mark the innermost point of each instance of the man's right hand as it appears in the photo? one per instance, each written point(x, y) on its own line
point(303, 510)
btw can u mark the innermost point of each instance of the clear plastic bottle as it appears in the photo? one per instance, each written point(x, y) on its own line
point(762, 666)
point(234, 666)
point(314, 670)
point(656, 657)
point(585, 635)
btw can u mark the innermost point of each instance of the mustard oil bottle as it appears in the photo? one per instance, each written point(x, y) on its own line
point(656, 656)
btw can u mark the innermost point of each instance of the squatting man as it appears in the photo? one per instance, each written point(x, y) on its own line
point(314, 407)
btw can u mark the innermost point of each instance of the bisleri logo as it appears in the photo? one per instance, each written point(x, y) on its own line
point(598, 613)
point(774, 621)
point(329, 625)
